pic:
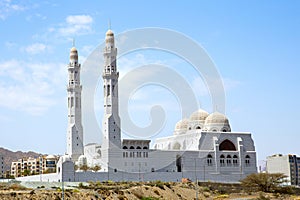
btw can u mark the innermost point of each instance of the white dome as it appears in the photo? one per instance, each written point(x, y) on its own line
point(182, 125)
point(199, 115)
point(109, 33)
point(217, 122)
point(216, 117)
point(73, 49)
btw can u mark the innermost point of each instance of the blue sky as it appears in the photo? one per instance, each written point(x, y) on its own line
point(254, 44)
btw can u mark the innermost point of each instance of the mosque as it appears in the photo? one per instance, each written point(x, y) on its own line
point(202, 147)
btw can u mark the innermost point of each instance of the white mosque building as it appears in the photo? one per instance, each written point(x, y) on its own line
point(202, 147)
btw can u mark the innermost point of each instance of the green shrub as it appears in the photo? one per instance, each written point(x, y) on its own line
point(149, 198)
point(264, 182)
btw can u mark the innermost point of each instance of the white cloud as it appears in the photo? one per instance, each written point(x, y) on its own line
point(7, 7)
point(76, 25)
point(10, 45)
point(79, 19)
point(30, 87)
point(35, 48)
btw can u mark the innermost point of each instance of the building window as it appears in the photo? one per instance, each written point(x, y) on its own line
point(138, 147)
point(125, 147)
point(228, 160)
point(108, 90)
point(222, 160)
point(209, 160)
point(145, 147)
point(235, 160)
point(227, 145)
point(247, 160)
point(131, 147)
point(72, 102)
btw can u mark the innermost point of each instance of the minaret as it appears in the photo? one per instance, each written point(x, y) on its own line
point(111, 121)
point(75, 130)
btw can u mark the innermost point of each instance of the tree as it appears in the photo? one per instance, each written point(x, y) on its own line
point(26, 172)
point(96, 168)
point(84, 167)
point(264, 182)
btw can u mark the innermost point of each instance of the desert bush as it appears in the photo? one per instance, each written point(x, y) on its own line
point(149, 198)
point(264, 182)
point(284, 190)
point(222, 196)
point(16, 186)
point(262, 197)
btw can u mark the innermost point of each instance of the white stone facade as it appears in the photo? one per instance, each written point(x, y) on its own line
point(289, 165)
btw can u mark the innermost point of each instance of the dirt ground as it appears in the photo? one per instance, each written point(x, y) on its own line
point(171, 191)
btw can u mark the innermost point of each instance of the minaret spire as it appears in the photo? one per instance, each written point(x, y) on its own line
point(109, 24)
point(111, 142)
point(75, 130)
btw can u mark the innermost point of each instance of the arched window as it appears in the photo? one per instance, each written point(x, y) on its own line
point(131, 147)
point(113, 88)
point(224, 130)
point(227, 145)
point(247, 160)
point(108, 90)
point(209, 160)
point(222, 160)
point(228, 160)
point(235, 160)
point(145, 147)
point(176, 146)
point(198, 127)
point(125, 147)
point(138, 147)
